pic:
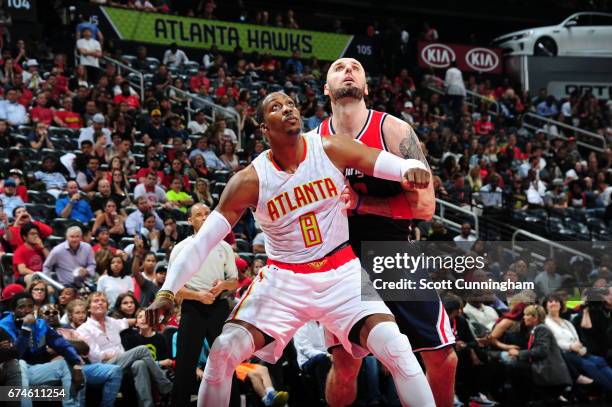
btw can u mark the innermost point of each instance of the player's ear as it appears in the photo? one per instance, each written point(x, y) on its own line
point(326, 90)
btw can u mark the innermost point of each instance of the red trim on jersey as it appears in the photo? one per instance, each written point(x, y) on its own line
point(442, 331)
point(245, 296)
point(328, 263)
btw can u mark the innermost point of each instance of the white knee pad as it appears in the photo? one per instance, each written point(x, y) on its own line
point(234, 345)
point(393, 349)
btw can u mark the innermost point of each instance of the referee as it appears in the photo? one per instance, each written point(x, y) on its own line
point(203, 310)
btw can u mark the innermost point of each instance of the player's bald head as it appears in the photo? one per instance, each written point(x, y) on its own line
point(341, 62)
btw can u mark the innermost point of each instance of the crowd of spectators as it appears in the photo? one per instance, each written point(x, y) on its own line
point(98, 183)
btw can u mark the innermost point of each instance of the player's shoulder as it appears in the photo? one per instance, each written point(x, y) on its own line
point(392, 123)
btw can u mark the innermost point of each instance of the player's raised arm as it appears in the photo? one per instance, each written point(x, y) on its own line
point(348, 153)
point(241, 192)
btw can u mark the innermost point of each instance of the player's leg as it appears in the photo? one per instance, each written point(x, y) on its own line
point(381, 336)
point(341, 384)
point(237, 342)
point(441, 365)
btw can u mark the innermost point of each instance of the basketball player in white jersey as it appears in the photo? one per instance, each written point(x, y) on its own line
point(312, 273)
point(384, 214)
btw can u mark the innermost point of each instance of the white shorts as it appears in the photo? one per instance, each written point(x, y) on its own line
point(280, 301)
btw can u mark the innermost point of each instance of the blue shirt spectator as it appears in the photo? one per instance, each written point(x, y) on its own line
point(294, 65)
point(73, 207)
point(548, 107)
point(9, 198)
point(11, 111)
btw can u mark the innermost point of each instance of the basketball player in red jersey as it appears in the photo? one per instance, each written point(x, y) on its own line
point(312, 272)
point(382, 211)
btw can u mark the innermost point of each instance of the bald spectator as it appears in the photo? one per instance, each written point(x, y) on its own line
point(71, 261)
point(73, 206)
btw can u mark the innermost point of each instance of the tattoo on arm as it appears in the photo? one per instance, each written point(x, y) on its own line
point(410, 147)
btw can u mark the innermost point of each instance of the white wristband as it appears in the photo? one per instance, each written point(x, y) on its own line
point(393, 168)
point(190, 259)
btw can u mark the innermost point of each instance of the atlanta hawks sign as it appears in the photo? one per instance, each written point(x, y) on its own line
point(469, 58)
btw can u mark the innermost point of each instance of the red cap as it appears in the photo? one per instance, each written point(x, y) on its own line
point(10, 291)
point(241, 264)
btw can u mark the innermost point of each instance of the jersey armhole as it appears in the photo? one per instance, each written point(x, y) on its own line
point(383, 142)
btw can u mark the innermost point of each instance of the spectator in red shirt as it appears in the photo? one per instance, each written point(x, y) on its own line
point(41, 113)
point(484, 126)
point(198, 80)
point(24, 95)
point(66, 117)
point(125, 96)
point(22, 218)
point(104, 242)
point(30, 256)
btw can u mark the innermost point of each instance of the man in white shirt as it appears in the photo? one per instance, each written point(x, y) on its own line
point(481, 313)
point(312, 355)
point(204, 307)
point(491, 194)
point(465, 240)
point(102, 334)
point(149, 189)
point(175, 57)
point(90, 52)
point(31, 77)
point(97, 125)
point(198, 125)
point(11, 111)
point(455, 88)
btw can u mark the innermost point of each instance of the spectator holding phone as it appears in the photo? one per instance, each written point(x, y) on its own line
point(30, 256)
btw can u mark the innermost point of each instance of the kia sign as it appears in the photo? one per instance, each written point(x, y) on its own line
point(469, 58)
point(437, 55)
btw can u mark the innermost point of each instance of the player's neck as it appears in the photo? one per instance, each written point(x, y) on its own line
point(289, 154)
point(349, 118)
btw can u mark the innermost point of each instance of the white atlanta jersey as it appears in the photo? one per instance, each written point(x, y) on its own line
point(301, 213)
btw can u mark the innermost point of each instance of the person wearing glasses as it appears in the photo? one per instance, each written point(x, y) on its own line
point(99, 375)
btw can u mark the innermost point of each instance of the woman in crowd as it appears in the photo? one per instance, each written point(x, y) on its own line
point(201, 193)
point(112, 220)
point(229, 157)
point(509, 332)
point(120, 188)
point(177, 170)
point(148, 232)
point(66, 295)
point(40, 294)
point(540, 362)
point(125, 306)
point(116, 281)
point(585, 368)
point(78, 79)
point(77, 313)
point(198, 167)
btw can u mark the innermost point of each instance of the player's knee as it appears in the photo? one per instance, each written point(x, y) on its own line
point(345, 367)
point(393, 349)
point(234, 345)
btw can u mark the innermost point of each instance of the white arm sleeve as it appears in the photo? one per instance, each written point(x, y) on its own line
point(189, 260)
point(393, 168)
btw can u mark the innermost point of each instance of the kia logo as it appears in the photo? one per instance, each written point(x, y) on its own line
point(438, 55)
point(481, 59)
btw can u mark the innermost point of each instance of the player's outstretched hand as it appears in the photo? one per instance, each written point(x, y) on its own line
point(157, 311)
point(416, 178)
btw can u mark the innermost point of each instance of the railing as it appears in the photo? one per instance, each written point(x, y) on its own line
point(41, 276)
point(121, 65)
point(551, 245)
point(470, 96)
point(444, 205)
point(584, 138)
point(214, 108)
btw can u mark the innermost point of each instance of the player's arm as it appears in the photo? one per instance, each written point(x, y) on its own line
point(241, 192)
point(345, 152)
point(402, 141)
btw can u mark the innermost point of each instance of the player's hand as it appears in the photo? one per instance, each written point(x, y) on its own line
point(416, 178)
point(156, 312)
point(349, 197)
